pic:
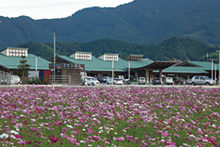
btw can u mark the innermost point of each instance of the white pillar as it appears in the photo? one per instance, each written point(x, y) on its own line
point(212, 69)
point(136, 75)
point(112, 69)
point(147, 76)
point(215, 73)
point(160, 75)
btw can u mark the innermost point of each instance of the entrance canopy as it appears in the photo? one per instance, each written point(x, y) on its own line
point(157, 65)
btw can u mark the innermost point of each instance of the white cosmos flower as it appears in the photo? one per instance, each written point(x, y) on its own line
point(14, 132)
point(4, 135)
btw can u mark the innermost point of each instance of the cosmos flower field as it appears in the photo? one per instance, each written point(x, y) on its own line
point(109, 116)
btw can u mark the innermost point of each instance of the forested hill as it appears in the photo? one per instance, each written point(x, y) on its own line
point(141, 21)
point(170, 49)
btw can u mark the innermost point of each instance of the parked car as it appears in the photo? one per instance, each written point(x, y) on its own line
point(201, 80)
point(156, 81)
point(131, 77)
point(13, 79)
point(116, 81)
point(142, 80)
point(92, 81)
point(102, 79)
point(169, 80)
point(178, 81)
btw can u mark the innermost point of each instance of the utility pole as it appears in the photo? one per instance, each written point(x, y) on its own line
point(218, 67)
point(207, 56)
point(212, 68)
point(36, 65)
point(54, 59)
point(112, 69)
point(129, 72)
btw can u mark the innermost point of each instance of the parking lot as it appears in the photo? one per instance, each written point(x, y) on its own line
point(124, 85)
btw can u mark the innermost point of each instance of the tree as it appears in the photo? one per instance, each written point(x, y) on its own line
point(23, 68)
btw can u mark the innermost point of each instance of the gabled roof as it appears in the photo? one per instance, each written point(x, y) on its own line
point(202, 64)
point(181, 69)
point(17, 48)
point(157, 65)
point(11, 62)
point(99, 65)
point(205, 65)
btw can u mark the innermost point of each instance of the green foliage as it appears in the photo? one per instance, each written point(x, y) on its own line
point(170, 49)
point(213, 55)
point(23, 68)
point(35, 81)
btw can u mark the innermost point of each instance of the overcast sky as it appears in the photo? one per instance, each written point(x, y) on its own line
point(39, 9)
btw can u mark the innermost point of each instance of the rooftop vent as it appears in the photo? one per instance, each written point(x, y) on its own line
point(109, 57)
point(82, 56)
point(15, 52)
point(133, 57)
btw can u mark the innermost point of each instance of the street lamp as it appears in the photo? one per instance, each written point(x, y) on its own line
point(212, 68)
point(218, 67)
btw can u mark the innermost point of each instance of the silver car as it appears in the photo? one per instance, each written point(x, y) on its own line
point(201, 80)
point(142, 80)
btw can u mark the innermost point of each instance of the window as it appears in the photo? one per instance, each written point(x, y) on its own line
point(83, 56)
point(196, 78)
point(202, 78)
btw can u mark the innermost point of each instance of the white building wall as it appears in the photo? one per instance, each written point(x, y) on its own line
point(4, 52)
point(73, 56)
point(33, 74)
point(102, 57)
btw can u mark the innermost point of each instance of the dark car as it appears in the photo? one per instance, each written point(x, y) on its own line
point(156, 81)
point(101, 79)
point(178, 81)
point(131, 77)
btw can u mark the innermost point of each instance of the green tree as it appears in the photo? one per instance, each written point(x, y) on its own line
point(23, 68)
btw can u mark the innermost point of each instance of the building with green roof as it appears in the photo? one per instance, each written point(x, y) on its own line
point(191, 68)
point(102, 66)
point(11, 56)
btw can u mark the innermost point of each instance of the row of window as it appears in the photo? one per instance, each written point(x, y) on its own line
point(109, 58)
point(83, 54)
point(84, 58)
point(16, 54)
point(16, 51)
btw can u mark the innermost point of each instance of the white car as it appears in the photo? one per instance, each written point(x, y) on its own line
point(116, 81)
point(14, 79)
point(169, 80)
point(92, 81)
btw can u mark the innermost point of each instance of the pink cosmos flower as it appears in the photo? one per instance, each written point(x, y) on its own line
point(115, 139)
point(121, 139)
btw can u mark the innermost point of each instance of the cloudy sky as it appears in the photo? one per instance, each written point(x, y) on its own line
point(39, 9)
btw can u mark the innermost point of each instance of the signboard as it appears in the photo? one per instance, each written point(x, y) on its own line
point(67, 66)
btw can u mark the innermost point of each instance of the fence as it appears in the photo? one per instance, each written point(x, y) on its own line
point(5, 78)
point(60, 79)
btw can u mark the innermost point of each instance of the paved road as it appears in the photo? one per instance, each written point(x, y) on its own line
point(149, 85)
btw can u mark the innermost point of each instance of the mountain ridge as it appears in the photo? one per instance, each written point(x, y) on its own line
point(141, 21)
point(171, 49)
